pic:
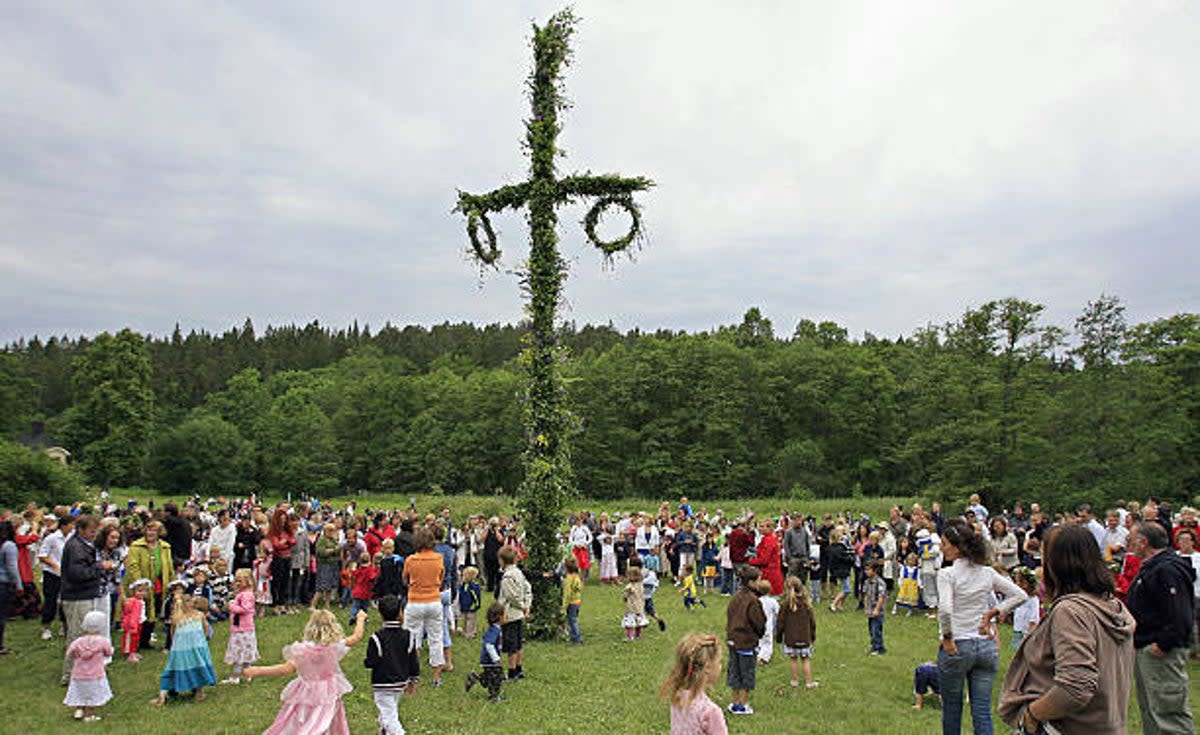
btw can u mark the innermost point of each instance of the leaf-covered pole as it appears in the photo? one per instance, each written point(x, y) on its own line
point(547, 460)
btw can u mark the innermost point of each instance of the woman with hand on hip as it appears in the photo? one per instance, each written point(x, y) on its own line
point(966, 593)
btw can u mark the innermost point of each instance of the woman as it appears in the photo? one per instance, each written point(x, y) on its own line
point(1074, 669)
point(841, 560)
point(968, 652)
point(10, 575)
point(282, 540)
point(424, 573)
point(1003, 543)
point(150, 558)
point(766, 557)
point(111, 545)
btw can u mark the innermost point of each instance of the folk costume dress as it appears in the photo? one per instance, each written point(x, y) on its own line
point(909, 594)
point(312, 702)
point(189, 665)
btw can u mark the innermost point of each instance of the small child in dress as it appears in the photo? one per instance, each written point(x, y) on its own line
point(394, 664)
point(925, 681)
point(133, 614)
point(608, 559)
point(1029, 613)
point(687, 588)
point(221, 584)
point(650, 567)
point(572, 599)
point(874, 597)
point(242, 649)
point(312, 702)
point(470, 599)
point(189, 664)
point(635, 604)
point(796, 630)
point(908, 595)
point(89, 684)
point(364, 582)
point(492, 675)
point(697, 667)
point(770, 606)
point(745, 623)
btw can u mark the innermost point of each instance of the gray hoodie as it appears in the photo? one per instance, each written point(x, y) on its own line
point(1081, 654)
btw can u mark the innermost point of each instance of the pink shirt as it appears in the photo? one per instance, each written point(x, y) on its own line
point(241, 612)
point(701, 716)
point(88, 652)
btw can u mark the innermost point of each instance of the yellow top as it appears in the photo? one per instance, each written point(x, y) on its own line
point(572, 591)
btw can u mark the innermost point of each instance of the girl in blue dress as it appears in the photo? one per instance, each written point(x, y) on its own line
point(189, 664)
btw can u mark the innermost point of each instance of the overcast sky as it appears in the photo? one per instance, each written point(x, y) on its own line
point(883, 165)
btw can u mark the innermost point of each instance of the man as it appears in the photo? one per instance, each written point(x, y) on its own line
point(796, 546)
point(1116, 536)
point(1161, 600)
point(179, 535)
point(81, 579)
point(50, 560)
point(1085, 518)
point(223, 536)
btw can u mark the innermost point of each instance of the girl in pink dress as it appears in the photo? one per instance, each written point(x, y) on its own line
point(697, 667)
point(312, 703)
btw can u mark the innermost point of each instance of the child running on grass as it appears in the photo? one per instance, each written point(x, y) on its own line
point(688, 589)
point(796, 630)
point(492, 674)
point(697, 667)
point(745, 623)
point(189, 664)
point(394, 664)
point(312, 702)
point(648, 566)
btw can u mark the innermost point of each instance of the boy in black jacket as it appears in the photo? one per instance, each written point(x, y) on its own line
point(394, 665)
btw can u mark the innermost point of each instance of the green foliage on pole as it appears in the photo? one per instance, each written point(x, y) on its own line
point(549, 481)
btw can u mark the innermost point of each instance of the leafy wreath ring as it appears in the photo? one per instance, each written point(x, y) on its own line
point(623, 201)
point(475, 219)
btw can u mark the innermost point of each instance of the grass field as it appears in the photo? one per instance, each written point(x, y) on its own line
point(606, 685)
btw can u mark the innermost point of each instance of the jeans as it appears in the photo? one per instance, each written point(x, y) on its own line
point(726, 581)
point(573, 624)
point(355, 605)
point(875, 628)
point(447, 617)
point(975, 663)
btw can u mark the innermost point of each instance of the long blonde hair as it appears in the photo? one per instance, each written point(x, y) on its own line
point(323, 628)
point(696, 656)
point(797, 595)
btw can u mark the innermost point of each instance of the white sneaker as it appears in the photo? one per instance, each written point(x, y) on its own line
point(47, 635)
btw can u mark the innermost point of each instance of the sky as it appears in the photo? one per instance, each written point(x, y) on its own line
point(881, 165)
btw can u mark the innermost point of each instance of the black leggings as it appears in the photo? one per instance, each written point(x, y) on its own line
point(50, 585)
point(281, 575)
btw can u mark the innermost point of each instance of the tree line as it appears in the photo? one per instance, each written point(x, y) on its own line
point(995, 402)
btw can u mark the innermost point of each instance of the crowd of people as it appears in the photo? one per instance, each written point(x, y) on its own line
point(1094, 605)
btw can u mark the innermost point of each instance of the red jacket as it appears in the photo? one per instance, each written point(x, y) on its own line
point(766, 558)
point(364, 578)
point(740, 542)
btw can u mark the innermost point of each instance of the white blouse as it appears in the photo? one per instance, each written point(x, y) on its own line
point(966, 591)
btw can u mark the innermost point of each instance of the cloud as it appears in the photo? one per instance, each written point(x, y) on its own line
point(883, 165)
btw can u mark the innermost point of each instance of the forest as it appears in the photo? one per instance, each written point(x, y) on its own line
point(995, 402)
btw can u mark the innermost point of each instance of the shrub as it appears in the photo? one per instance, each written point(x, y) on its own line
point(32, 476)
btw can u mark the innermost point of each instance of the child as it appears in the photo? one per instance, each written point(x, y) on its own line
point(925, 680)
point(650, 567)
point(697, 667)
point(262, 574)
point(364, 581)
point(688, 589)
point(89, 684)
point(635, 603)
point(608, 559)
point(221, 583)
point(766, 644)
point(200, 586)
point(874, 597)
point(175, 595)
point(796, 629)
point(572, 599)
point(908, 595)
point(517, 596)
point(1029, 612)
point(745, 623)
point(393, 661)
point(189, 664)
point(329, 562)
point(389, 580)
point(708, 562)
point(470, 599)
point(132, 617)
point(312, 703)
point(726, 563)
point(242, 649)
point(492, 676)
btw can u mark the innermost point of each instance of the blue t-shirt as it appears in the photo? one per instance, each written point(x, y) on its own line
point(490, 638)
